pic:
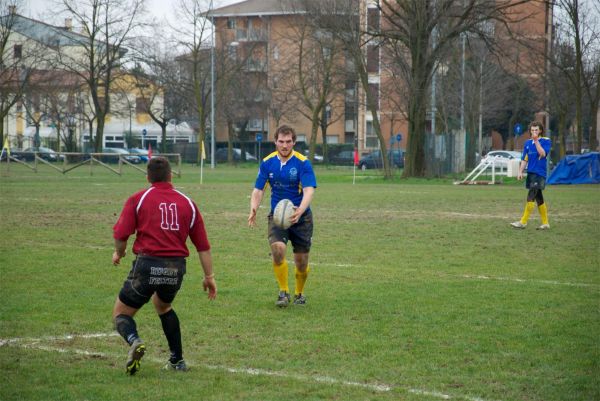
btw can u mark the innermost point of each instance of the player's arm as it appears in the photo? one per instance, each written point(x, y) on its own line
point(307, 196)
point(120, 250)
point(541, 151)
point(255, 199)
point(209, 283)
point(521, 169)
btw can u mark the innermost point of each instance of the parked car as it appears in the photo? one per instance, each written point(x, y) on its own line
point(318, 158)
point(344, 158)
point(142, 153)
point(373, 159)
point(124, 153)
point(14, 153)
point(501, 158)
point(44, 153)
point(221, 155)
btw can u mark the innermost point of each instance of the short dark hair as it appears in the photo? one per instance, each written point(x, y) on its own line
point(286, 130)
point(159, 169)
point(537, 124)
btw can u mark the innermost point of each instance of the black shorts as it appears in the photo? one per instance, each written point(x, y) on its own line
point(149, 275)
point(300, 234)
point(535, 181)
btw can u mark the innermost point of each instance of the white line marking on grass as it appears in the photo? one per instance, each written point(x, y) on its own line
point(520, 280)
point(320, 379)
point(54, 338)
point(34, 343)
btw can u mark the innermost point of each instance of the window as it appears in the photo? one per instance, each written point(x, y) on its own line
point(232, 51)
point(373, 59)
point(18, 51)
point(332, 139)
point(374, 94)
point(371, 138)
point(140, 105)
point(231, 24)
point(300, 138)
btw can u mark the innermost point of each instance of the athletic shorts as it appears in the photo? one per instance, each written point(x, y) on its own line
point(149, 275)
point(300, 234)
point(535, 181)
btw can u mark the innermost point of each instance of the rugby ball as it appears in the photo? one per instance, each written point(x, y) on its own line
point(282, 213)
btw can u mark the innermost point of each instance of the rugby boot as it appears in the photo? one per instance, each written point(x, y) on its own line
point(136, 352)
point(283, 299)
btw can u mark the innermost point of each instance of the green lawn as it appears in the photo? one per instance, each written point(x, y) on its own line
point(419, 290)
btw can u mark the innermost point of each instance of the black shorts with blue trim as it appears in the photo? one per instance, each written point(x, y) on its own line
point(300, 234)
point(149, 275)
point(535, 181)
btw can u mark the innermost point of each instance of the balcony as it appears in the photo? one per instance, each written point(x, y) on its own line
point(253, 65)
point(251, 35)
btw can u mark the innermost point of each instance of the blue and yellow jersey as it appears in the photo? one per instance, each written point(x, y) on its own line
point(536, 164)
point(285, 179)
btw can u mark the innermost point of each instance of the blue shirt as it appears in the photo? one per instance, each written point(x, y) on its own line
point(536, 164)
point(286, 179)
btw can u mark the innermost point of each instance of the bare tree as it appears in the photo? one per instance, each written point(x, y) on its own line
point(343, 19)
point(240, 93)
point(579, 22)
point(108, 26)
point(420, 33)
point(17, 63)
point(317, 75)
point(193, 35)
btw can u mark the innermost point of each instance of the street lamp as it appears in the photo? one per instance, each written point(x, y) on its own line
point(212, 89)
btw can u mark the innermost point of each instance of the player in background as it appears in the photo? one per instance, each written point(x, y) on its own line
point(290, 176)
point(162, 218)
point(535, 156)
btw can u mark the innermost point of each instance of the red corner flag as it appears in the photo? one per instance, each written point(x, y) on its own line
point(355, 156)
point(149, 151)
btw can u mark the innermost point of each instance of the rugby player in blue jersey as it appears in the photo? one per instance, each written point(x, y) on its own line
point(535, 156)
point(290, 176)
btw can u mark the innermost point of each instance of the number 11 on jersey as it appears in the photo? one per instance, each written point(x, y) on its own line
point(168, 216)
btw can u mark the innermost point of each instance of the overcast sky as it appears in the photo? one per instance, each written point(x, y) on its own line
point(159, 8)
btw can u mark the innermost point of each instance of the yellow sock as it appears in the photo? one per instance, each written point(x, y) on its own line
point(543, 213)
point(281, 274)
point(528, 209)
point(301, 280)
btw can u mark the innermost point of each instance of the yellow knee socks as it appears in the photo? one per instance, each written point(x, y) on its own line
point(528, 209)
point(281, 274)
point(543, 213)
point(301, 280)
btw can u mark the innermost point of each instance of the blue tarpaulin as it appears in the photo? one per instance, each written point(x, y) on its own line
point(577, 169)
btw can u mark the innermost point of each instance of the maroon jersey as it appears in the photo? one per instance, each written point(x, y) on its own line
point(163, 218)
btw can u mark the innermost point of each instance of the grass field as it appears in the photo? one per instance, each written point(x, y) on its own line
point(419, 290)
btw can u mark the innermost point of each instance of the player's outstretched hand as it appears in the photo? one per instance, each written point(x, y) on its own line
point(252, 219)
point(210, 285)
point(116, 258)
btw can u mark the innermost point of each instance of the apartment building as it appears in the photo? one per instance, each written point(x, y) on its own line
point(55, 102)
point(261, 31)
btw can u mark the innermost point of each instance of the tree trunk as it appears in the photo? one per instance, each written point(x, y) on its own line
point(98, 140)
point(562, 128)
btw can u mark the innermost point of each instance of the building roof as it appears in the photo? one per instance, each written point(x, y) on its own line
point(41, 32)
point(259, 8)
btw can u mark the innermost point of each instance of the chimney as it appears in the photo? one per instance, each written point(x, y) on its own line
point(12, 9)
point(69, 24)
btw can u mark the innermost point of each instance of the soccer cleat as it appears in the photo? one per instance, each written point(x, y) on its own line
point(176, 367)
point(283, 299)
point(518, 224)
point(544, 227)
point(299, 299)
point(136, 352)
